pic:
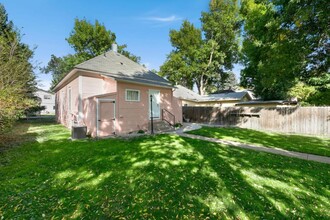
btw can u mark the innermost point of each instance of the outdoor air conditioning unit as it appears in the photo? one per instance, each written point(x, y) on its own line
point(78, 132)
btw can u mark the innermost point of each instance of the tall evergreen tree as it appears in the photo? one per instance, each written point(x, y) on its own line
point(17, 80)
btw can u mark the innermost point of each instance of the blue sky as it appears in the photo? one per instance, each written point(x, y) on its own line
point(143, 25)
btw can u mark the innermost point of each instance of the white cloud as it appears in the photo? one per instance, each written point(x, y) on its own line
point(164, 19)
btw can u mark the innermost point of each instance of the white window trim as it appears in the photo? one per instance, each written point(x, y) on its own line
point(133, 90)
point(80, 106)
point(98, 101)
point(70, 100)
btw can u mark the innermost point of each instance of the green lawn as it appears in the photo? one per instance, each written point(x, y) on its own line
point(299, 143)
point(154, 177)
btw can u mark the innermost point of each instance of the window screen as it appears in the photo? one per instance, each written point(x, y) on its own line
point(47, 96)
point(132, 95)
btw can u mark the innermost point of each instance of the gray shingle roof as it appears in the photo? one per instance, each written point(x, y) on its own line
point(227, 96)
point(187, 94)
point(122, 68)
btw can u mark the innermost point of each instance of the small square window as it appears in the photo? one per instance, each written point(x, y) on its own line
point(132, 95)
point(47, 96)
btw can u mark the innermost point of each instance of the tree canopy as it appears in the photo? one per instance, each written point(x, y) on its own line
point(205, 56)
point(286, 45)
point(284, 49)
point(88, 40)
point(17, 80)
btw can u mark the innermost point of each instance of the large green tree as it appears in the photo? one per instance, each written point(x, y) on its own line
point(205, 56)
point(181, 66)
point(17, 80)
point(88, 40)
point(286, 44)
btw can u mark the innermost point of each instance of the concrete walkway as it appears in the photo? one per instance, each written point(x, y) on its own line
point(278, 151)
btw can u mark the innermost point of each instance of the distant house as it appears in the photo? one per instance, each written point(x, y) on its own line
point(224, 98)
point(46, 99)
point(111, 94)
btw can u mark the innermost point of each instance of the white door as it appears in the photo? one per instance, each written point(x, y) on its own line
point(155, 103)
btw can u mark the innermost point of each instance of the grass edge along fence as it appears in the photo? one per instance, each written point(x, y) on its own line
point(298, 120)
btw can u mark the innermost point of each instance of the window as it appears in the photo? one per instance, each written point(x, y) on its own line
point(47, 96)
point(54, 107)
point(132, 95)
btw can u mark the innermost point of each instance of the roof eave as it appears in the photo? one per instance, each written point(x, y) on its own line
point(140, 83)
point(65, 78)
point(113, 76)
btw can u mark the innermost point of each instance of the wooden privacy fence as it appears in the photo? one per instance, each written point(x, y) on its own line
point(301, 120)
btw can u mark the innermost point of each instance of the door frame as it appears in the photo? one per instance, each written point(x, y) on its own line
point(149, 93)
point(98, 101)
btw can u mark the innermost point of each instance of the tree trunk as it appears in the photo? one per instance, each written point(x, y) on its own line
point(202, 85)
point(198, 87)
point(201, 89)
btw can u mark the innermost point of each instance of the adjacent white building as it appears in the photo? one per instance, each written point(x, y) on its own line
point(46, 99)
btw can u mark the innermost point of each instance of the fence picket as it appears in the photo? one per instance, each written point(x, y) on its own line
point(303, 120)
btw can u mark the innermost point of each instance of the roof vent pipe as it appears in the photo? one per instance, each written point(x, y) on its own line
point(114, 47)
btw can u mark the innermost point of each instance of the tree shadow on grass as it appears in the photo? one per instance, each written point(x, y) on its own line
point(282, 187)
point(20, 134)
point(100, 179)
point(248, 201)
point(306, 144)
point(15, 137)
point(153, 177)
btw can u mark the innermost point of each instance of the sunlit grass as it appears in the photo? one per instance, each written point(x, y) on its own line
point(155, 177)
point(299, 143)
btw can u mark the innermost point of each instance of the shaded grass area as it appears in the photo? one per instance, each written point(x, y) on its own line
point(299, 143)
point(155, 177)
point(20, 132)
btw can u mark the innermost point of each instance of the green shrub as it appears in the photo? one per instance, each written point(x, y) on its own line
point(177, 125)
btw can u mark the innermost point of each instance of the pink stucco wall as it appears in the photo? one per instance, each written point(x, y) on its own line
point(133, 116)
point(177, 109)
point(63, 113)
point(130, 115)
point(90, 112)
point(90, 86)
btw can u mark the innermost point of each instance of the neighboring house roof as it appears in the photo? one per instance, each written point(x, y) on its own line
point(187, 94)
point(277, 102)
point(228, 96)
point(223, 91)
point(121, 68)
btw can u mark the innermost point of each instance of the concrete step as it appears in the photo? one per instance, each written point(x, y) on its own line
point(161, 126)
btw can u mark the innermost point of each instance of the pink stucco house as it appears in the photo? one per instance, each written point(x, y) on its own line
point(110, 94)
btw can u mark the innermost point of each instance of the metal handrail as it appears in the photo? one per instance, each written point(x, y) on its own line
point(164, 119)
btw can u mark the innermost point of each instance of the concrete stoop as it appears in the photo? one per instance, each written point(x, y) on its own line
point(161, 126)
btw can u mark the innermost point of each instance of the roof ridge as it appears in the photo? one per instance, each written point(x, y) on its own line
point(122, 60)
